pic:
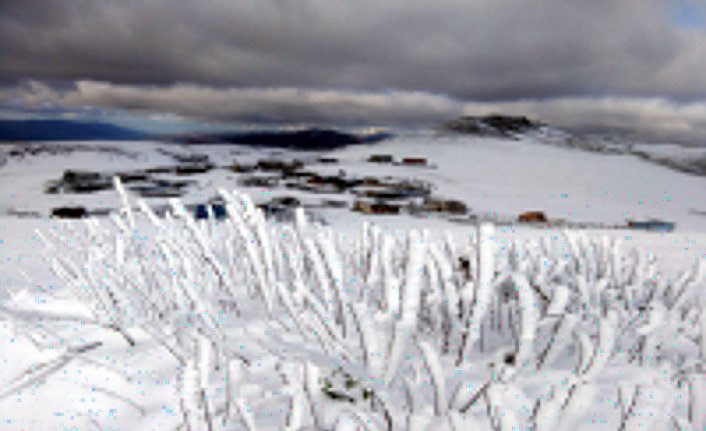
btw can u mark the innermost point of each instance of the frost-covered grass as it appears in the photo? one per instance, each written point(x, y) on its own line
point(298, 327)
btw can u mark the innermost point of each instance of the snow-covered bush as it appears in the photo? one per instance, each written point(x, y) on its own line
point(298, 327)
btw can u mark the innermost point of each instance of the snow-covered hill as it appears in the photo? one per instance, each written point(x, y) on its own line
point(93, 378)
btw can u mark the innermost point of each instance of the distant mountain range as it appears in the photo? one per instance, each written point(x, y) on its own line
point(691, 160)
point(305, 139)
point(68, 130)
point(65, 130)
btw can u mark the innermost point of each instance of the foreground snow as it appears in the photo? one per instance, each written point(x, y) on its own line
point(244, 325)
point(361, 327)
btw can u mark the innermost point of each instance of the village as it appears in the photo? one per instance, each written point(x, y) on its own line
point(365, 195)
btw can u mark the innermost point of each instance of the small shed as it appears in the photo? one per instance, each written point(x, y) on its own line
point(279, 165)
point(69, 212)
point(532, 217)
point(654, 225)
point(381, 158)
point(218, 210)
point(447, 206)
point(415, 161)
point(240, 168)
point(367, 207)
point(327, 160)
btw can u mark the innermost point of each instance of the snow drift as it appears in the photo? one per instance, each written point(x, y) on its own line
point(278, 326)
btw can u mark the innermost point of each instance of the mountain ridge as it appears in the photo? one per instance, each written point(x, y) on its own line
point(64, 130)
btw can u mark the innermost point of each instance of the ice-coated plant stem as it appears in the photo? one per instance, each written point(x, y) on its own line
point(484, 289)
point(390, 315)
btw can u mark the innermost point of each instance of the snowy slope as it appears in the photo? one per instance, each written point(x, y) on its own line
point(507, 177)
point(496, 178)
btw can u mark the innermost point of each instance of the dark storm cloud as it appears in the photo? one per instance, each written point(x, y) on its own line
point(363, 61)
point(464, 48)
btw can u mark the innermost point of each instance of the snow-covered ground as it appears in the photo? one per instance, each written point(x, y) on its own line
point(117, 386)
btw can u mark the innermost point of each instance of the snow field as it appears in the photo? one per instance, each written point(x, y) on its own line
point(275, 326)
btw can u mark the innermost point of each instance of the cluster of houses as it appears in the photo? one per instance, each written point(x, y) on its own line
point(155, 182)
point(651, 225)
point(405, 161)
point(369, 194)
point(429, 205)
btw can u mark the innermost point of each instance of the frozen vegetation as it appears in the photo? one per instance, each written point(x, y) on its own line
point(298, 326)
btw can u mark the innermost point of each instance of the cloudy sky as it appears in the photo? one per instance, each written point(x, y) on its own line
point(637, 66)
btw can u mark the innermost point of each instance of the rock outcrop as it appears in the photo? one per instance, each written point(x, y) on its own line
point(493, 125)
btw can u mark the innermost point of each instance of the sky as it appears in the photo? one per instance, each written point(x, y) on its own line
point(689, 13)
point(631, 66)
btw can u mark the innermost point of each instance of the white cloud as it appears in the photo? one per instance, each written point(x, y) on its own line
point(652, 118)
